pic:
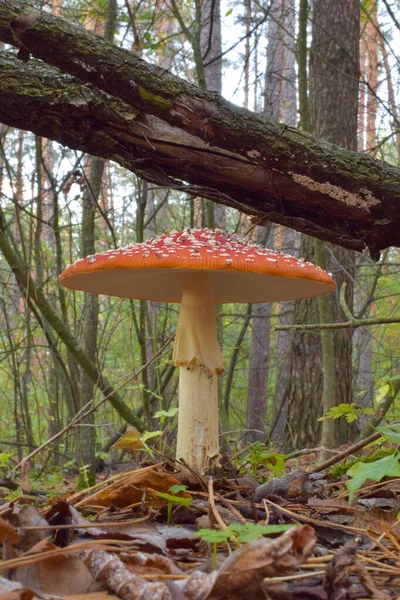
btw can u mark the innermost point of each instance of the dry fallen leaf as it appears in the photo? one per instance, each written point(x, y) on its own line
point(241, 575)
point(108, 568)
point(53, 575)
point(132, 490)
point(28, 516)
point(8, 533)
point(130, 441)
point(345, 572)
point(93, 596)
point(246, 568)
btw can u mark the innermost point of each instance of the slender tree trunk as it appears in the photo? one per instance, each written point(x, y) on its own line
point(246, 87)
point(333, 83)
point(392, 99)
point(362, 337)
point(291, 244)
point(86, 447)
point(280, 105)
point(371, 33)
point(258, 372)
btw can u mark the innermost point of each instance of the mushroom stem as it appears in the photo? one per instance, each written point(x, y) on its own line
point(197, 442)
point(200, 359)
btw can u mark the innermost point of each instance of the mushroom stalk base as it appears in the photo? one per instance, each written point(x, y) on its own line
point(198, 418)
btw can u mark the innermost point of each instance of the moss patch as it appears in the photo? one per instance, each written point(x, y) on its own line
point(153, 98)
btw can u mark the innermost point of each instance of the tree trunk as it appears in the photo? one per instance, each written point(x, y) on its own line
point(284, 354)
point(258, 372)
point(371, 34)
point(86, 447)
point(333, 82)
point(280, 105)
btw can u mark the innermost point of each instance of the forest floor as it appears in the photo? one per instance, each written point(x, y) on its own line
point(141, 534)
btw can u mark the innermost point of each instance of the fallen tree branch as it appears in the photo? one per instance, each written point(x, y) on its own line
point(347, 452)
point(196, 140)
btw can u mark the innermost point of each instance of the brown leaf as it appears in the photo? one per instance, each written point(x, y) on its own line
point(108, 568)
point(146, 535)
point(246, 568)
point(130, 441)
point(343, 572)
point(93, 596)
point(149, 564)
point(131, 491)
point(8, 533)
point(240, 576)
point(21, 594)
point(29, 516)
point(63, 574)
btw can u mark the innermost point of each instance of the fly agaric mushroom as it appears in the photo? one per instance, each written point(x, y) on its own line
point(198, 268)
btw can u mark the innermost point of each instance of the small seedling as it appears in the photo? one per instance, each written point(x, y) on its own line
point(173, 499)
point(239, 534)
point(260, 456)
point(214, 537)
point(85, 478)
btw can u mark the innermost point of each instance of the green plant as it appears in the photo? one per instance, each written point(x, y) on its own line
point(351, 412)
point(373, 454)
point(259, 456)
point(85, 478)
point(149, 435)
point(173, 499)
point(13, 495)
point(165, 414)
point(373, 466)
point(388, 466)
point(4, 458)
point(239, 534)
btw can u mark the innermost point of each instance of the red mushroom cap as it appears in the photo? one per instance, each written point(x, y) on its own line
point(242, 271)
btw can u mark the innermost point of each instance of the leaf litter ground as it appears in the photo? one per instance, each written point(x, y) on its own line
point(143, 535)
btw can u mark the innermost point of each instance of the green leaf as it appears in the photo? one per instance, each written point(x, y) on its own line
point(275, 462)
point(350, 411)
point(4, 458)
point(214, 536)
point(253, 531)
point(175, 489)
point(392, 433)
point(241, 533)
point(176, 499)
point(382, 392)
point(385, 467)
point(164, 414)
point(229, 12)
point(148, 435)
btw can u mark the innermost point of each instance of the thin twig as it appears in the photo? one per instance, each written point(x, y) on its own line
point(211, 502)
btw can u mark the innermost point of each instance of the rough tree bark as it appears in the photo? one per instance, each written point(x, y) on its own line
point(333, 83)
point(175, 134)
point(280, 105)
